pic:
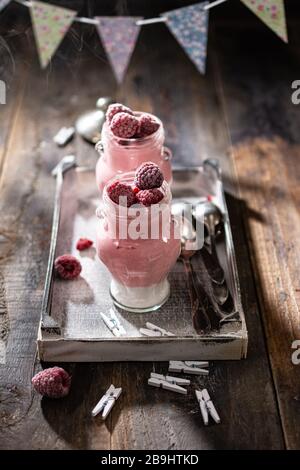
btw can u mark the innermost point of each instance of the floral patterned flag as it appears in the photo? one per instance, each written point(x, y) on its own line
point(119, 35)
point(50, 24)
point(3, 4)
point(190, 27)
point(272, 13)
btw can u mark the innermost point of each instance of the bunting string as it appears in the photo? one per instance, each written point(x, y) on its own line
point(119, 34)
point(83, 19)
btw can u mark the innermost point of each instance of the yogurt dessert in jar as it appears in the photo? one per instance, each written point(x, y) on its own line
point(129, 139)
point(137, 239)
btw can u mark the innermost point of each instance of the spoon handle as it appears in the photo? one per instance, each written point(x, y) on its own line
point(213, 267)
point(200, 319)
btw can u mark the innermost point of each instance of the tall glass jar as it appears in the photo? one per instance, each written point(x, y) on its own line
point(139, 245)
point(119, 156)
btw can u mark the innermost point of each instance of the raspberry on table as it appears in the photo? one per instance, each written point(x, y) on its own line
point(148, 176)
point(67, 267)
point(147, 197)
point(118, 190)
point(116, 108)
point(147, 125)
point(54, 382)
point(83, 244)
point(124, 125)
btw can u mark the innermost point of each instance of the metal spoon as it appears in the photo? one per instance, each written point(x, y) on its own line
point(220, 302)
point(211, 216)
point(200, 318)
point(203, 308)
point(89, 124)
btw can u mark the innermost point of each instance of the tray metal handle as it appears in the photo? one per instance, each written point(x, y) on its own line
point(47, 322)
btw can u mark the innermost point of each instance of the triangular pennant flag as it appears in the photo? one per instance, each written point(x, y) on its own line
point(50, 24)
point(272, 13)
point(3, 4)
point(190, 27)
point(119, 35)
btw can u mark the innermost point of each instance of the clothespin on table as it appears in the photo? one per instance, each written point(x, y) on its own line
point(206, 406)
point(168, 383)
point(113, 323)
point(64, 135)
point(189, 367)
point(153, 330)
point(107, 402)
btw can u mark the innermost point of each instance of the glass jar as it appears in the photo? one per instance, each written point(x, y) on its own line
point(139, 245)
point(119, 156)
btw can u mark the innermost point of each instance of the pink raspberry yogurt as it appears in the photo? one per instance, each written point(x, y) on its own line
point(139, 249)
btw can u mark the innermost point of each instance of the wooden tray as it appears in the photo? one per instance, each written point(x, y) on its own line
point(71, 328)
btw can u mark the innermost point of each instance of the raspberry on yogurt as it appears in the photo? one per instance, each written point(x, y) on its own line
point(124, 125)
point(147, 125)
point(115, 108)
point(148, 176)
point(116, 191)
point(147, 197)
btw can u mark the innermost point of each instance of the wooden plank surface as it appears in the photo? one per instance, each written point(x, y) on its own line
point(144, 417)
point(264, 126)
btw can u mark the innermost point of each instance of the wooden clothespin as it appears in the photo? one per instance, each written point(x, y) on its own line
point(64, 135)
point(153, 330)
point(189, 367)
point(113, 323)
point(206, 406)
point(107, 401)
point(168, 383)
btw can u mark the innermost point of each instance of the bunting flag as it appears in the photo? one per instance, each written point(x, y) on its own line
point(3, 4)
point(272, 13)
point(189, 25)
point(119, 35)
point(50, 25)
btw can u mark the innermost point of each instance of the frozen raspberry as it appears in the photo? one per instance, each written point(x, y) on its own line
point(67, 267)
point(116, 108)
point(148, 176)
point(147, 197)
point(83, 244)
point(117, 190)
point(124, 125)
point(147, 125)
point(53, 383)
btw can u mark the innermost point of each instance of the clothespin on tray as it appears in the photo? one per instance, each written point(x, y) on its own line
point(153, 330)
point(113, 323)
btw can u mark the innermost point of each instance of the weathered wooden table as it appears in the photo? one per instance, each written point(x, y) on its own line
point(241, 113)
